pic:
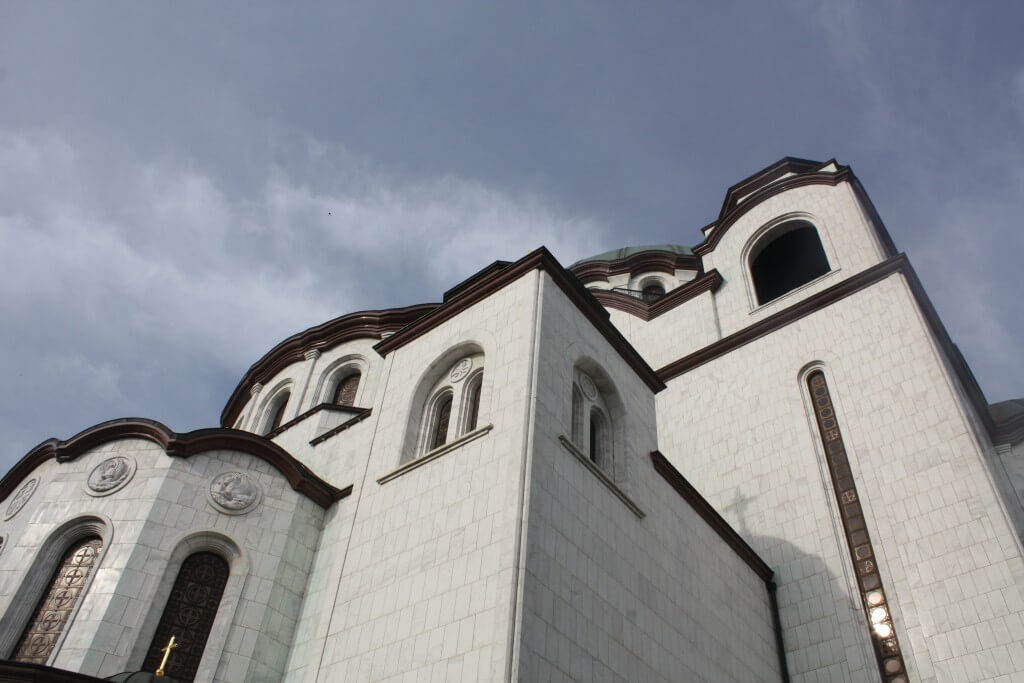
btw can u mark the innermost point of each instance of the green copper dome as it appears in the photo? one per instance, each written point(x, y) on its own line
point(623, 252)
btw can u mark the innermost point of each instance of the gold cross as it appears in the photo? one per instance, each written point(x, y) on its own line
point(171, 644)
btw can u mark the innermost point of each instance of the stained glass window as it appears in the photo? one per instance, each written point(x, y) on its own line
point(345, 394)
point(55, 607)
point(188, 615)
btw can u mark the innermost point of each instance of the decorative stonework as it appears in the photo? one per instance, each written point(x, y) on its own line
point(876, 608)
point(21, 497)
point(234, 493)
point(3, 544)
point(460, 370)
point(110, 476)
point(587, 387)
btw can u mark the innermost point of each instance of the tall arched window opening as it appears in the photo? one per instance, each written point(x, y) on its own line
point(345, 392)
point(189, 615)
point(54, 610)
point(442, 416)
point(593, 420)
point(790, 256)
point(577, 415)
point(276, 411)
point(472, 410)
point(449, 402)
point(598, 438)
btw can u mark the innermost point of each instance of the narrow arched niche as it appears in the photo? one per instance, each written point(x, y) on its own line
point(787, 257)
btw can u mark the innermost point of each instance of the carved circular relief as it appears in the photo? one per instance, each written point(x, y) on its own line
point(461, 369)
point(110, 475)
point(234, 493)
point(21, 497)
point(587, 386)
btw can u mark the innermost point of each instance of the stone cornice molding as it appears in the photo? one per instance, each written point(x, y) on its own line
point(539, 259)
point(898, 264)
point(642, 262)
point(708, 282)
point(359, 325)
point(707, 512)
point(185, 445)
point(732, 211)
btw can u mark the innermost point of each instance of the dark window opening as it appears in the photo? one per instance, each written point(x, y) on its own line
point(345, 393)
point(474, 402)
point(444, 413)
point(792, 259)
point(597, 438)
point(189, 615)
point(278, 414)
point(652, 293)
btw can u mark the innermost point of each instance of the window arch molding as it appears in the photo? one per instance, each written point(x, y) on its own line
point(281, 393)
point(771, 231)
point(336, 372)
point(610, 425)
point(432, 384)
point(238, 568)
point(36, 580)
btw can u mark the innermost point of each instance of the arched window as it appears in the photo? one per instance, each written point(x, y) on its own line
point(189, 615)
point(577, 415)
point(345, 392)
point(598, 438)
point(789, 256)
point(449, 402)
point(275, 412)
point(54, 609)
point(592, 421)
point(652, 293)
point(472, 400)
point(439, 424)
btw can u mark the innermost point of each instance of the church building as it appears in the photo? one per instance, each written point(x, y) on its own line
point(757, 459)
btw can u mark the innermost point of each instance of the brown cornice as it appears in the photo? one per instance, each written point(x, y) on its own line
point(360, 325)
point(708, 282)
point(539, 259)
point(329, 407)
point(1010, 430)
point(722, 225)
point(300, 477)
point(782, 318)
point(342, 427)
point(877, 273)
point(768, 175)
point(643, 262)
point(714, 520)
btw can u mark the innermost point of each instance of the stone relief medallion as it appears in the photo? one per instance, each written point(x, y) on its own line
point(110, 475)
point(234, 493)
point(21, 497)
point(460, 370)
point(587, 386)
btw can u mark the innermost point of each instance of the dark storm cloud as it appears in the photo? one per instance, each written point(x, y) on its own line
point(181, 187)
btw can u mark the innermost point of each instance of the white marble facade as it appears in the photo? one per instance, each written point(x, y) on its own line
point(510, 490)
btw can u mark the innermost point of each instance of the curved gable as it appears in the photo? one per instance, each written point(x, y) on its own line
point(359, 325)
point(300, 477)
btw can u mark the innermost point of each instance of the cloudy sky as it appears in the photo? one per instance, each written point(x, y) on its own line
point(182, 185)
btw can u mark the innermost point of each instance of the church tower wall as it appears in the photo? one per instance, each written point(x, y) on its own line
point(623, 580)
point(415, 578)
point(743, 429)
